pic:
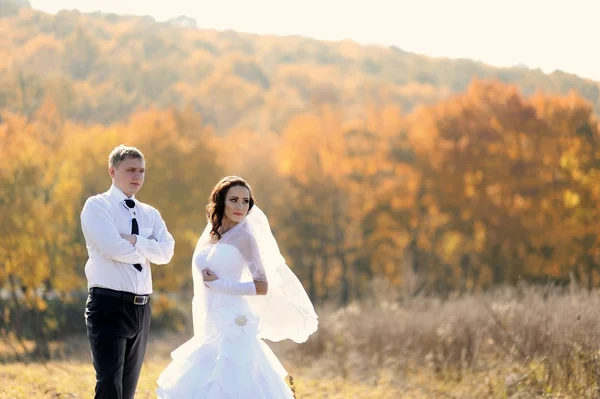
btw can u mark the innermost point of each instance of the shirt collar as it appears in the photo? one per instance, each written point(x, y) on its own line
point(118, 195)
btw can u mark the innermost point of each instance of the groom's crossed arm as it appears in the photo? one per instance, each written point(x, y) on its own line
point(99, 227)
point(160, 246)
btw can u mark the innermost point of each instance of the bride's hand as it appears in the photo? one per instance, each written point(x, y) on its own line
point(208, 275)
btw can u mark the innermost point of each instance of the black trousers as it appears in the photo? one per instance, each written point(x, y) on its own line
point(118, 333)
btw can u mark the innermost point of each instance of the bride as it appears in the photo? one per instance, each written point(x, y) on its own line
point(243, 293)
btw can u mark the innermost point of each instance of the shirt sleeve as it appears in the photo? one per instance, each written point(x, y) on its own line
point(99, 227)
point(160, 250)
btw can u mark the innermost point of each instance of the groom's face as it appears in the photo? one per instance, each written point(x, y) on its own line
point(128, 175)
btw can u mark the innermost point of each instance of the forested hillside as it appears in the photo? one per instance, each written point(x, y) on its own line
point(373, 164)
point(100, 68)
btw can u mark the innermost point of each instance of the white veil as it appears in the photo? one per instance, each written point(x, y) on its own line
point(285, 312)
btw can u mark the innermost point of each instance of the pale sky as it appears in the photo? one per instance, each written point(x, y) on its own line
point(539, 33)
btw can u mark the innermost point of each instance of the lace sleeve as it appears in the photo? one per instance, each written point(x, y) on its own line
point(254, 258)
point(285, 311)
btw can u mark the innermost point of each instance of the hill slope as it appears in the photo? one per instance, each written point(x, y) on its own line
point(98, 68)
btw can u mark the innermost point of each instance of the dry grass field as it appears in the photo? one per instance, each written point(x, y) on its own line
point(513, 343)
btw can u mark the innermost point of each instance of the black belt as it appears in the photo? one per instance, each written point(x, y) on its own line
point(126, 296)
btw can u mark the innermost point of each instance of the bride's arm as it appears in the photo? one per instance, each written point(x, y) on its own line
point(256, 287)
point(248, 247)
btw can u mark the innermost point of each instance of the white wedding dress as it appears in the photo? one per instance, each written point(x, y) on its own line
point(227, 357)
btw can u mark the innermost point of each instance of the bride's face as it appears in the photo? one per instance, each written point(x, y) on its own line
point(237, 202)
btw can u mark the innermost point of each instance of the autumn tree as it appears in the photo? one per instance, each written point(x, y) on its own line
point(571, 215)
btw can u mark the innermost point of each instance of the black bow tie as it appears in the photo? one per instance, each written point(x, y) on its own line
point(130, 203)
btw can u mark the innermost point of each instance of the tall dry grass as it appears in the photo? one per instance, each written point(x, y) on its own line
point(519, 342)
point(516, 342)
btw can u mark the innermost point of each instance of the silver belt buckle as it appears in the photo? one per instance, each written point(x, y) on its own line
point(140, 300)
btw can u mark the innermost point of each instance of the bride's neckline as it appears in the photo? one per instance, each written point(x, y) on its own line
point(228, 230)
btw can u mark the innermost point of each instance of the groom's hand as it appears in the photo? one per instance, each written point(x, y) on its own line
point(130, 237)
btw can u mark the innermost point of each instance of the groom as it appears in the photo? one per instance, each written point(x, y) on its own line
point(122, 235)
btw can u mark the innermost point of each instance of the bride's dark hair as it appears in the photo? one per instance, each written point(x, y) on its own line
point(216, 203)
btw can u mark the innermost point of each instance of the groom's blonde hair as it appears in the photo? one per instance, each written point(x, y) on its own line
point(122, 152)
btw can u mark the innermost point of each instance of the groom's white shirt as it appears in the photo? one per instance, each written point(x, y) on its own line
point(110, 265)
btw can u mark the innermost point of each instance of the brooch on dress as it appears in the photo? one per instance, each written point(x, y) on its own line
point(241, 320)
